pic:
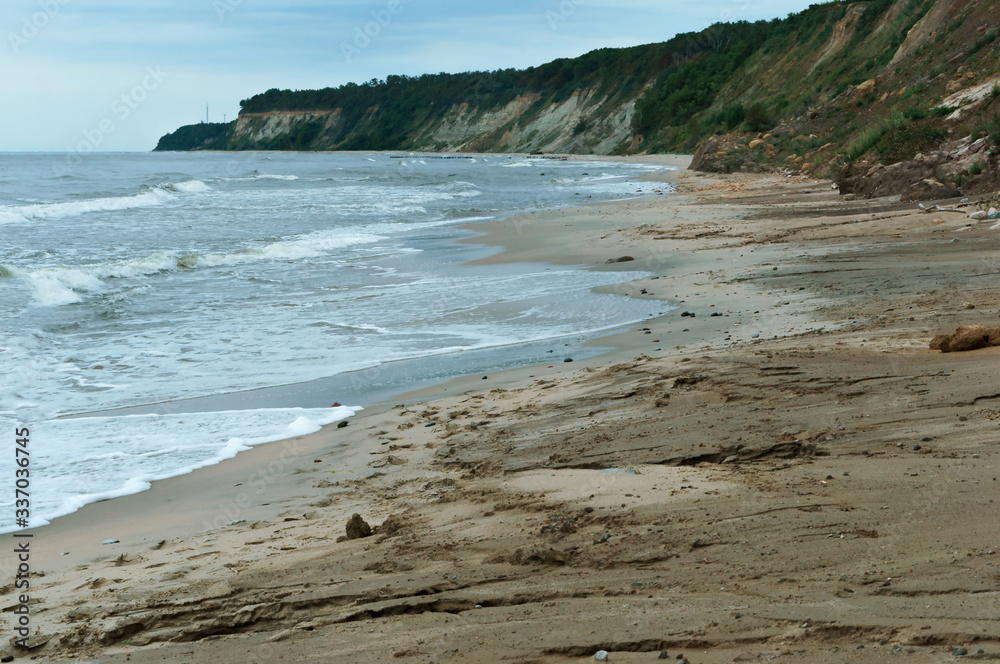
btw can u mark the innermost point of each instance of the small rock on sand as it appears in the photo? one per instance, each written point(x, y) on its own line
point(966, 338)
point(621, 259)
point(601, 656)
point(358, 528)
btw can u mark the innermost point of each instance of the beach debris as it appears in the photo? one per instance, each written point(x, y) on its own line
point(358, 528)
point(110, 541)
point(621, 259)
point(341, 424)
point(937, 208)
point(968, 305)
point(689, 314)
point(236, 522)
point(620, 471)
point(486, 377)
point(966, 338)
point(568, 359)
point(601, 656)
point(717, 314)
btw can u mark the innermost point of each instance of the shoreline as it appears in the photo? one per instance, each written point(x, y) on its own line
point(499, 532)
point(124, 509)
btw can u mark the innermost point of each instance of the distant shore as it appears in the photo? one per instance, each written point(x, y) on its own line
point(789, 472)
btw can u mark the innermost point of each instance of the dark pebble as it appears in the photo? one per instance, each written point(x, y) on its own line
point(342, 424)
point(485, 377)
point(588, 510)
point(568, 359)
point(917, 448)
point(430, 424)
point(664, 655)
point(829, 477)
point(716, 314)
point(927, 439)
point(959, 652)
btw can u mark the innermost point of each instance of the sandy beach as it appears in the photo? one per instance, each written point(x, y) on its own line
point(790, 474)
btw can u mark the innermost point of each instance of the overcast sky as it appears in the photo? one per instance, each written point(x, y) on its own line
point(120, 73)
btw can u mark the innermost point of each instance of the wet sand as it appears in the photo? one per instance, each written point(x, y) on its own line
point(798, 478)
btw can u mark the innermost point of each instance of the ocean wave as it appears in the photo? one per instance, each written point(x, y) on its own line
point(262, 176)
point(191, 186)
point(61, 285)
point(150, 196)
point(305, 247)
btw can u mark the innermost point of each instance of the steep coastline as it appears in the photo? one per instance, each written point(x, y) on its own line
point(841, 90)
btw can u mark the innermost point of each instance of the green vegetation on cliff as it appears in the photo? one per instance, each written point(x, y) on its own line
point(203, 136)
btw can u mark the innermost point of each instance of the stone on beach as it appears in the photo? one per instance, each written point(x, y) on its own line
point(966, 338)
point(358, 528)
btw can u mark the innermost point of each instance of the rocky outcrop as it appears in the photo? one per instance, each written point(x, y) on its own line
point(932, 176)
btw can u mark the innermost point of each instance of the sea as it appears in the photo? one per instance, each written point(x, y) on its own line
point(161, 312)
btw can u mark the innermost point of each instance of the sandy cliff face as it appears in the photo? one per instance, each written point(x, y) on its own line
point(260, 127)
point(574, 125)
point(584, 123)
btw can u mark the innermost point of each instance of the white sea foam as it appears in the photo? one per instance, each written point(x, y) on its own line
point(96, 458)
point(262, 176)
point(149, 197)
point(189, 186)
point(60, 285)
point(310, 246)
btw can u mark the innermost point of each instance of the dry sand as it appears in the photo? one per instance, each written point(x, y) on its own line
point(798, 479)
